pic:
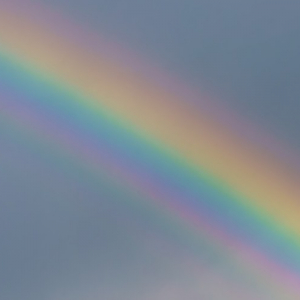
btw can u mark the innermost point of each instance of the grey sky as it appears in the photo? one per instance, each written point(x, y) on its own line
point(65, 235)
point(247, 52)
point(67, 238)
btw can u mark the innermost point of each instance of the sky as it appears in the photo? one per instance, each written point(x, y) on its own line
point(244, 52)
point(65, 236)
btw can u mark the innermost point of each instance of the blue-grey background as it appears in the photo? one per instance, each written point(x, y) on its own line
point(246, 51)
point(66, 238)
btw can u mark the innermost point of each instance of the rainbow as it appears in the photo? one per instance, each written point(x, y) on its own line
point(114, 114)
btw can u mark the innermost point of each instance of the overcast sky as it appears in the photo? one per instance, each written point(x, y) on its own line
point(64, 237)
point(245, 51)
point(67, 235)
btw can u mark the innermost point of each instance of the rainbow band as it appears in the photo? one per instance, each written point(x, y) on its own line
point(144, 132)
